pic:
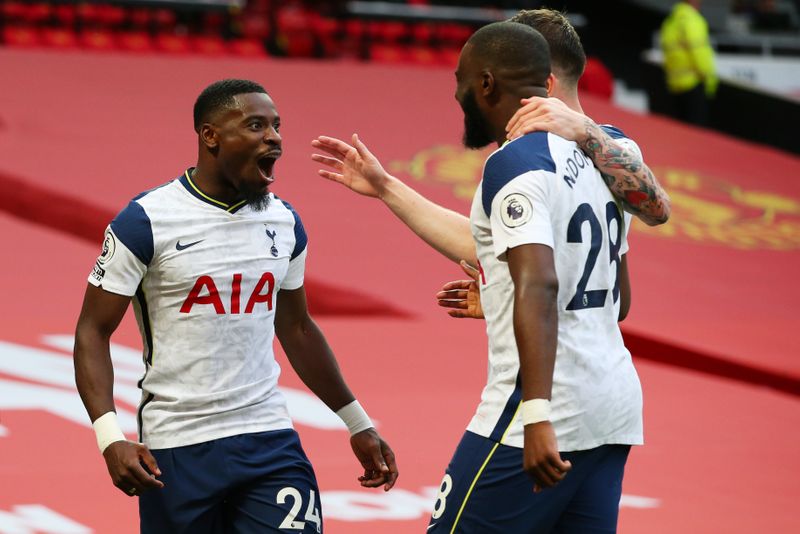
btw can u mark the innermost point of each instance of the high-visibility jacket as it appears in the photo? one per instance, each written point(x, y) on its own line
point(688, 57)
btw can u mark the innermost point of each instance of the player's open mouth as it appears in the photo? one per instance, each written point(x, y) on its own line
point(266, 164)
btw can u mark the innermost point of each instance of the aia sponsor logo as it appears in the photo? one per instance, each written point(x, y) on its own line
point(205, 292)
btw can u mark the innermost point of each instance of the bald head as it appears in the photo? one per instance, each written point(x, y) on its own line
point(500, 64)
point(511, 51)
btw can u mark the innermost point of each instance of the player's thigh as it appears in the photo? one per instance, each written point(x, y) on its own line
point(594, 508)
point(191, 499)
point(485, 490)
point(284, 497)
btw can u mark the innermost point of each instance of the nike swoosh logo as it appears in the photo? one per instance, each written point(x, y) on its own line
point(178, 245)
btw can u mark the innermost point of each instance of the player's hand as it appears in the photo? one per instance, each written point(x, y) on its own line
point(541, 458)
point(539, 114)
point(462, 296)
point(353, 166)
point(126, 462)
point(377, 459)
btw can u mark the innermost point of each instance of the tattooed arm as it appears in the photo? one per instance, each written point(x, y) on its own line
point(619, 161)
point(627, 176)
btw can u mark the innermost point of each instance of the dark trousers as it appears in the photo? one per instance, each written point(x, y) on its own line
point(692, 106)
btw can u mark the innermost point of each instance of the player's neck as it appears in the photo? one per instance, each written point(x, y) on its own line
point(570, 98)
point(505, 109)
point(212, 183)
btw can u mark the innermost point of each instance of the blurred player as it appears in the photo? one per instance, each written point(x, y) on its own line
point(549, 239)
point(216, 263)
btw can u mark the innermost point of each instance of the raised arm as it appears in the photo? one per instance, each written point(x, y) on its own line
point(628, 178)
point(313, 360)
point(355, 167)
point(94, 375)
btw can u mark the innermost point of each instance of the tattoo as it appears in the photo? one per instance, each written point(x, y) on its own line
point(628, 178)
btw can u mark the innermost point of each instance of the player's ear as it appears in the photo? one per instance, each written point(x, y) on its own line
point(488, 84)
point(551, 84)
point(208, 135)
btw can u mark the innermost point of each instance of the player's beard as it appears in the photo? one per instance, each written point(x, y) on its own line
point(258, 201)
point(476, 127)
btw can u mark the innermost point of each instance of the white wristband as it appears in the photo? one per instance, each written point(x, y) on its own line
point(354, 417)
point(107, 430)
point(535, 411)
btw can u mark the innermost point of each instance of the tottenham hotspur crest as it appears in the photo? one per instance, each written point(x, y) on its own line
point(273, 249)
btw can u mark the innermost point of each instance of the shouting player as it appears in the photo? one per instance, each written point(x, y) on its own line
point(563, 402)
point(214, 263)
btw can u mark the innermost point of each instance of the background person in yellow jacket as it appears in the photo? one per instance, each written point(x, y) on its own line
point(688, 61)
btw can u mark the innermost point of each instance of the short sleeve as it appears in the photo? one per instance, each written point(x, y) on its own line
point(619, 136)
point(297, 261)
point(296, 274)
point(117, 269)
point(521, 215)
point(127, 252)
point(515, 193)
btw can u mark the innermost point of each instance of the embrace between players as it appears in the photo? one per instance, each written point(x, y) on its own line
point(213, 263)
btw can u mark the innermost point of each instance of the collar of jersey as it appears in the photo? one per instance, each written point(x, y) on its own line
point(195, 191)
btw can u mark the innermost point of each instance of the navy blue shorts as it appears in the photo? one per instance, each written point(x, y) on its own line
point(259, 482)
point(485, 490)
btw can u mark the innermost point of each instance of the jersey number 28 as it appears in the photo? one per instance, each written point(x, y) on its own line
point(594, 298)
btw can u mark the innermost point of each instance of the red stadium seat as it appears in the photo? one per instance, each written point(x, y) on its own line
point(89, 14)
point(388, 32)
point(388, 53)
point(294, 31)
point(453, 34)
point(110, 16)
point(247, 47)
point(255, 26)
point(135, 41)
point(421, 33)
point(12, 11)
point(328, 32)
point(423, 55)
point(101, 40)
point(354, 29)
point(597, 79)
point(36, 13)
point(59, 38)
point(139, 18)
point(65, 14)
point(24, 36)
point(449, 56)
point(209, 45)
point(163, 20)
point(173, 44)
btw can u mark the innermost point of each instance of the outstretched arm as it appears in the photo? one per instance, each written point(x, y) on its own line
point(312, 359)
point(355, 167)
point(94, 375)
point(628, 178)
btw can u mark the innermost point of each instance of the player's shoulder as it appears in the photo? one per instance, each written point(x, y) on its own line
point(530, 152)
point(133, 224)
point(528, 155)
point(622, 138)
point(613, 132)
point(300, 236)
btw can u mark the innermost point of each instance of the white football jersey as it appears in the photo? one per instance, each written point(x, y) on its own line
point(542, 189)
point(204, 276)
